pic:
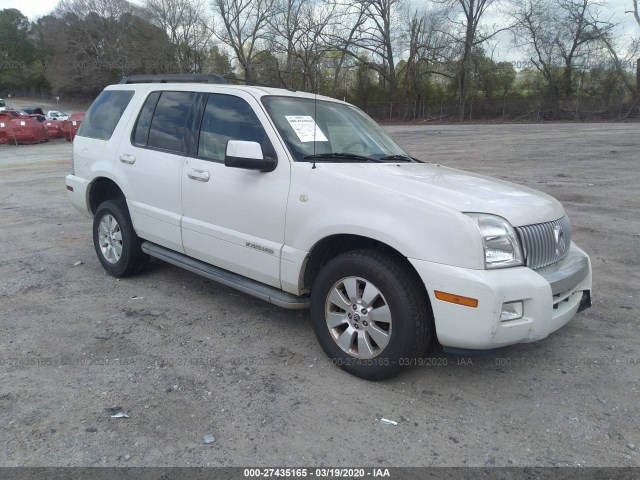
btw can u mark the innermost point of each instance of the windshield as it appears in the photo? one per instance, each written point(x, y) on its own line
point(337, 128)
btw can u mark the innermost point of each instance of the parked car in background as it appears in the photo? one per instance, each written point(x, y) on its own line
point(3, 106)
point(33, 111)
point(57, 115)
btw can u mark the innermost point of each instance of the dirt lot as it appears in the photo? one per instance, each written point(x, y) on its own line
point(185, 357)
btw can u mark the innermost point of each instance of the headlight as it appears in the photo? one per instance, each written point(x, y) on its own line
point(501, 245)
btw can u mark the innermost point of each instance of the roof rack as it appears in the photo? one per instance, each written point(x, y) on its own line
point(191, 78)
point(251, 83)
point(174, 77)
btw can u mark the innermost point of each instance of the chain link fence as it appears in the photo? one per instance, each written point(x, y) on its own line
point(505, 110)
point(525, 110)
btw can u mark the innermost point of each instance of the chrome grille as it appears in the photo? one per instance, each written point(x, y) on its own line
point(542, 243)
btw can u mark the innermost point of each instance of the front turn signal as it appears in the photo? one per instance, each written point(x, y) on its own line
point(457, 299)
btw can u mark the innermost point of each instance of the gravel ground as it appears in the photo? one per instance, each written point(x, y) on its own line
point(185, 357)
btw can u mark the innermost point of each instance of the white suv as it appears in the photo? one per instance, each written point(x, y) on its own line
point(304, 201)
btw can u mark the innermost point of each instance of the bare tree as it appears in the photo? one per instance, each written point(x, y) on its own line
point(378, 35)
point(218, 61)
point(186, 25)
point(623, 63)
point(467, 16)
point(109, 9)
point(94, 42)
point(558, 36)
point(352, 14)
point(244, 24)
point(535, 30)
point(298, 32)
point(580, 28)
point(286, 30)
point(636, 11)
point(428, 50)
point(636, 15)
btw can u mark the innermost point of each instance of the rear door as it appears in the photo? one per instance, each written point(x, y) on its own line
point(235, 218)
point(96, 145)
point(150, 163)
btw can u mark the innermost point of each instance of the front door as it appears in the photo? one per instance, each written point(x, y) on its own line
point(235, 218)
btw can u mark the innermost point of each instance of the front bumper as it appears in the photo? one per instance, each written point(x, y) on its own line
point(550, 297)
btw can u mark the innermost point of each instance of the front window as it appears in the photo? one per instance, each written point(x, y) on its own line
point(225, 118)
point(322, 130)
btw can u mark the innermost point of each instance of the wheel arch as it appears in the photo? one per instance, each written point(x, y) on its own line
point(102, 189)
point(330, 247)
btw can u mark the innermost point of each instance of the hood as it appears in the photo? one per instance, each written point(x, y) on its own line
point(454, 189)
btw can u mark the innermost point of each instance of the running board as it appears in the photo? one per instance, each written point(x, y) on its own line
point(230, 279)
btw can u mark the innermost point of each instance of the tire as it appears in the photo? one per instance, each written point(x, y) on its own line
point(371, 314)
point(115, 240)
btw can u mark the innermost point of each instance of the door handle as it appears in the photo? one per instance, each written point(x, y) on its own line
point(200, 175)
point(126, 158)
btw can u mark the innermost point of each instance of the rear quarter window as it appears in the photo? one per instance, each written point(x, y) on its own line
point(165, 122)
point(104, 114)
point(171, 122)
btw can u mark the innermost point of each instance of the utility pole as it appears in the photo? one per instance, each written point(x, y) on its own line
point(638, 75)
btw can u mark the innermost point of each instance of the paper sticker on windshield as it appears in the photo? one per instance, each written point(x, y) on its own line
point(306, 128)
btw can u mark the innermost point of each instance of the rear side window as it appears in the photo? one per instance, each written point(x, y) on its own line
point(140, 135)
point(104, 114)
point(228, 118)
point(171, 121)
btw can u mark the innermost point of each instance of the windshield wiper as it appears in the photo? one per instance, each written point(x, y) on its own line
point(339, 156)
point(399, 158)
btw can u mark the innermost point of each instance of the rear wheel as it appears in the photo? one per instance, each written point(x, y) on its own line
point(370, 313)
point(115, 240)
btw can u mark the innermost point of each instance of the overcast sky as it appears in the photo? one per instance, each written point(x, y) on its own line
point(31, 8)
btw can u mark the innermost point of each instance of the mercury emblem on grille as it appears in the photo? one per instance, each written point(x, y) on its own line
point(561, 242)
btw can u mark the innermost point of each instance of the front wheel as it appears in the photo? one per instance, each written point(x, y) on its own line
point(370, 313)
point(115, 240)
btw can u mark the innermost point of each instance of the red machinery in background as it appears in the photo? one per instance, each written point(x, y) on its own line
point(72, 125)
point(55, 128)
point(18, 128)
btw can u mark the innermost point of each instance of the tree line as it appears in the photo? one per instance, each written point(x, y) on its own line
point(370, 52)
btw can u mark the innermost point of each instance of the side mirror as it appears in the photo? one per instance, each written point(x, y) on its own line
point(248, 155)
